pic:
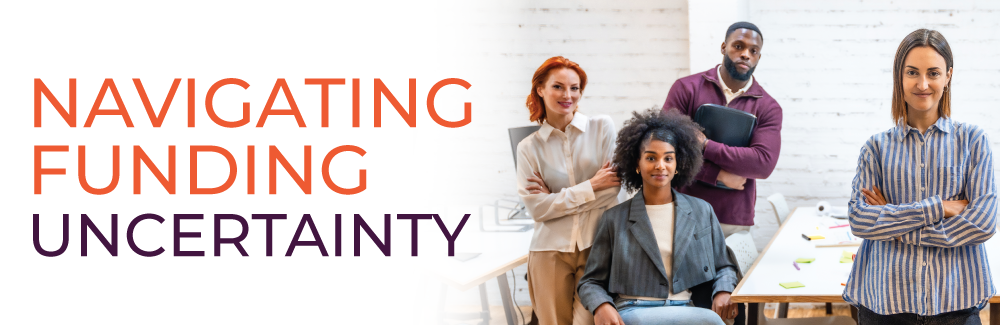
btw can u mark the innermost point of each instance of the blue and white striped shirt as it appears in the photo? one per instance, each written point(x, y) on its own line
point(913, 259)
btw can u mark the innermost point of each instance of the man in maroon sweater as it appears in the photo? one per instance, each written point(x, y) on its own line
point(732, 84)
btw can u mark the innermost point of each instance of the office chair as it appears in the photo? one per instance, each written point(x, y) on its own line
point(518, 211)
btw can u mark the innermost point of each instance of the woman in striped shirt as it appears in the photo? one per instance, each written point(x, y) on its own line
point(924, 200)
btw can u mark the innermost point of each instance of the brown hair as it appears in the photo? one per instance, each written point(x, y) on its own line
point(534, 103)
point(919, 38)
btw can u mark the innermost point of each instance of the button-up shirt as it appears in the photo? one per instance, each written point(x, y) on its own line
point(913, 259)
point(730, 94)
point(566, 219)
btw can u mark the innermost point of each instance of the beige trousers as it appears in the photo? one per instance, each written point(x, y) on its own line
point(552, 280)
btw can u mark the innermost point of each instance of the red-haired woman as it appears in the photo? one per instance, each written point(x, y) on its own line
point(565, 179)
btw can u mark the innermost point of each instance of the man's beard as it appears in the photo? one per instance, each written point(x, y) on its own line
point(731, 68)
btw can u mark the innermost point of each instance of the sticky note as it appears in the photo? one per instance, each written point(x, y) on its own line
point(790, 285)
point(804, 260)
point(846, 257)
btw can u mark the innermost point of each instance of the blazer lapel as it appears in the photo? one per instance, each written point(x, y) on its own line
point(642, 230)
point(684, 229)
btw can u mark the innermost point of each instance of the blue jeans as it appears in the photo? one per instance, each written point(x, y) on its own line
point(645, 312)
point(958, 317)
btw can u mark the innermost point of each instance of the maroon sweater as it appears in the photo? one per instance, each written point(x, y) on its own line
point(753, 162)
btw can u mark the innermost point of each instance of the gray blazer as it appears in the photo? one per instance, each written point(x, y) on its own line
point(625, 258)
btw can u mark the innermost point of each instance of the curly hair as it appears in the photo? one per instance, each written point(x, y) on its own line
point(535, 104)
point(671, 127)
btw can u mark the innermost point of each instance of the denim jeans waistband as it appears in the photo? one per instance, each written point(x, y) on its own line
point(623, 303)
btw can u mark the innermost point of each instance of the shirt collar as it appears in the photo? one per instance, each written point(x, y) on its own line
point(579, 122)
point(943, 124)
point(718, 72)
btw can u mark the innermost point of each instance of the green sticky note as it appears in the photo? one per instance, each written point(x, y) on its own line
point(847, 259)
point(847, 255)
point(805, 260)
point(790, 285)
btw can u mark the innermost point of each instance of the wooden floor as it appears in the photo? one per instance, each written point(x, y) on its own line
point(841, 310)
point(795, 311)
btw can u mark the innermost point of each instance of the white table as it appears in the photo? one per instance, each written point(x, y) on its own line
point(499, 252)
point(822, 278)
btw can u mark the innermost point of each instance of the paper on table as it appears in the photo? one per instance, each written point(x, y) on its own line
point(804, 260)
point(839, 237)
point(790, 285)
point(838, 212)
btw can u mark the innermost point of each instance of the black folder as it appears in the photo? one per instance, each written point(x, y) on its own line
point(725, 125)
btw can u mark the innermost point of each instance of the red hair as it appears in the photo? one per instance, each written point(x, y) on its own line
point(535, 104)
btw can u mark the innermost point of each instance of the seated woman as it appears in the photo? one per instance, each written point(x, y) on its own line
point(656, 253)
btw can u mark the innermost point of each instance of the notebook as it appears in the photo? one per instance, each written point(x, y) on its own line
point(725, 125)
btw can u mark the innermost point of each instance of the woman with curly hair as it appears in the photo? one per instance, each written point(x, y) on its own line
point(565, 180)
point(660, 256)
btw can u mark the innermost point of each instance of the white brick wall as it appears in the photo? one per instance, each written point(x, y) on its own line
point(827, 63)
point(632, 53)
point(830, 67)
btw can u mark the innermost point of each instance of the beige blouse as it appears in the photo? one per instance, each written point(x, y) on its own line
point(566, 219)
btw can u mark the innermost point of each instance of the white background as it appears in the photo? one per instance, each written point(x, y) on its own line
point(827, 64)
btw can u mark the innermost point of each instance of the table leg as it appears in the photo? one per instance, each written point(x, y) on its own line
point(994, 313)
point(508, 303)
point(854, 313)
point(484, 302)
point(753, 312)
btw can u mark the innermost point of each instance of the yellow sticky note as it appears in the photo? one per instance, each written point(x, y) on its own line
point(790, 285)
point(804, 260)
point(846, 257)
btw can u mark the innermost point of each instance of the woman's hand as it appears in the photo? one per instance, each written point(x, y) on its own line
point(539, 186)
point(954, 208)
point(722, 306)
point(606, 178)
point(873, 196)
point(606, 314)
point(951, 208)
